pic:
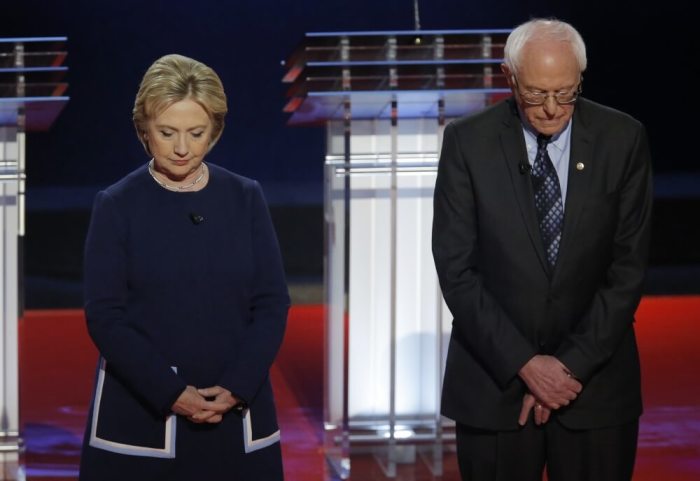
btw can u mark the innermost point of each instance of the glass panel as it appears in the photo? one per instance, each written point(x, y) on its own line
point(34, 90)
point(9, 298)
point(358, 368)
point(374, 66)
point(32, 59)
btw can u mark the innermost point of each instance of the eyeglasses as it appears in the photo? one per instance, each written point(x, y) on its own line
point(563, 97)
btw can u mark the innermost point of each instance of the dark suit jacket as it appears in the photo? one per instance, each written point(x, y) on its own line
point(507, 304)
point(170, 303)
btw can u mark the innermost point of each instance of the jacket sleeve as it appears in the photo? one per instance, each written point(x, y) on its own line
point(269, 304)
point(127, 351)
point(489, 334)
point(611, 312)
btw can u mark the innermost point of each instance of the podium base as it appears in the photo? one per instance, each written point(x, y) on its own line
point(11, 459)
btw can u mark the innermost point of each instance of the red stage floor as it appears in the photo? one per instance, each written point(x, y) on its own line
point(57, 364)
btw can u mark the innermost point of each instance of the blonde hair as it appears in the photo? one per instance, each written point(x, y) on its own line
point(173, 78)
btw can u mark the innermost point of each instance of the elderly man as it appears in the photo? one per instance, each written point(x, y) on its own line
point(540, 238)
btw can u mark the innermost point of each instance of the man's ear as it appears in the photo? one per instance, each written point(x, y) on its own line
point(508, 74)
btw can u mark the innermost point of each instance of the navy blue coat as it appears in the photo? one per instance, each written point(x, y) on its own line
point(171, 302)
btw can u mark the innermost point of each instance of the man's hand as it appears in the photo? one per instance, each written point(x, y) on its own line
point(550, 381)
point(542, 412)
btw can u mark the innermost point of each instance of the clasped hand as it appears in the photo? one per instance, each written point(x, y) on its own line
point(207, 405)
point(551, 387)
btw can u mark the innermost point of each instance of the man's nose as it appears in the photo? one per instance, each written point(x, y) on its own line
point(550, 105)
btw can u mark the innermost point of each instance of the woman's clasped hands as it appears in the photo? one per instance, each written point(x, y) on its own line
point(207, 405)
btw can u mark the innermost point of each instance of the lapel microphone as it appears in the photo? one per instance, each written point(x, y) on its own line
point(524, 167)
point(196, 218)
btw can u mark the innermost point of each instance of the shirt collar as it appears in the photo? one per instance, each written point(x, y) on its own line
point(560, 140)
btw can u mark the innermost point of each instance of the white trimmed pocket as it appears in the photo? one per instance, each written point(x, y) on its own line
point(168, 450)
point(251, 444)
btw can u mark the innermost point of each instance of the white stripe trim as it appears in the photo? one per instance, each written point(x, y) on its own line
point(251, 444)
point(170, 427)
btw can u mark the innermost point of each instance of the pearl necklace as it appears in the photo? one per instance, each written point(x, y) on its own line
point(177, 188)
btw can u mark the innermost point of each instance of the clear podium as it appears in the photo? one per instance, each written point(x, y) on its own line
point(384, 99)
point(31, 98)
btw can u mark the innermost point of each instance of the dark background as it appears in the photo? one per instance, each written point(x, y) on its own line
point(640, 58)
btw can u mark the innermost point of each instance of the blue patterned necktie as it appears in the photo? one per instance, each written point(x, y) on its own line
point(548, 203)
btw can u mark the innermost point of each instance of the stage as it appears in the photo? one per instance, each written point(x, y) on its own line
point(57, 362)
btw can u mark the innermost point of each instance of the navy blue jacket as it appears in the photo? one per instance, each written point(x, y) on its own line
point(171, 302)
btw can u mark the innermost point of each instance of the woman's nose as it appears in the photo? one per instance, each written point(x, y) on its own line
point(181, 148)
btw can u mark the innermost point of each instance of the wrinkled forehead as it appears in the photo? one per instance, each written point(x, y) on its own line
point(549, 52)
point(548, 62)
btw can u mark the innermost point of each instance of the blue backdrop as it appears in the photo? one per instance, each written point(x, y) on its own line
point(639, 61)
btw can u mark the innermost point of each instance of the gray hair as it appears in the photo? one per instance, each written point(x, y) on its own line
point(543, 29)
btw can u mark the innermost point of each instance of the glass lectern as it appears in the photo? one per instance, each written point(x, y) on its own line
point(31, 98)
point(384, 98)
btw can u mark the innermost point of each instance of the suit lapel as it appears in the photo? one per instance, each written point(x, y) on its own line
point(581, 168)
point(515, 154)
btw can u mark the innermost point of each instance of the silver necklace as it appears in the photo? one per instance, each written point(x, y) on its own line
point(176, 188)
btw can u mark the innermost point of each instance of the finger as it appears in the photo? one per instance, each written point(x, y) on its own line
point(524, 414)
point(572, 384)
point(208, 417)
point(210, 391)
point(560, 398)
point(225, 397)
point(215, 419)
point(571, 376)
point(201, 416)
point(217, 407)
point(566, 396)
point(544, 415)
point(528, 403)
point(574, 389)
point(195, 420)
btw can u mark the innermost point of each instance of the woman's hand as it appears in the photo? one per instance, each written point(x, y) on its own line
point(219, 402)
point(223, 398)
point(193, 404)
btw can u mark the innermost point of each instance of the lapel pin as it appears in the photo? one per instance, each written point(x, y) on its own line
point(580, 166)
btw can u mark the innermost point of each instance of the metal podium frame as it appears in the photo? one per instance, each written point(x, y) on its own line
point(31, 98)
point(384, 98)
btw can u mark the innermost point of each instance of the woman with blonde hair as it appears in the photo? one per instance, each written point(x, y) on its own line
point(185, 299)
